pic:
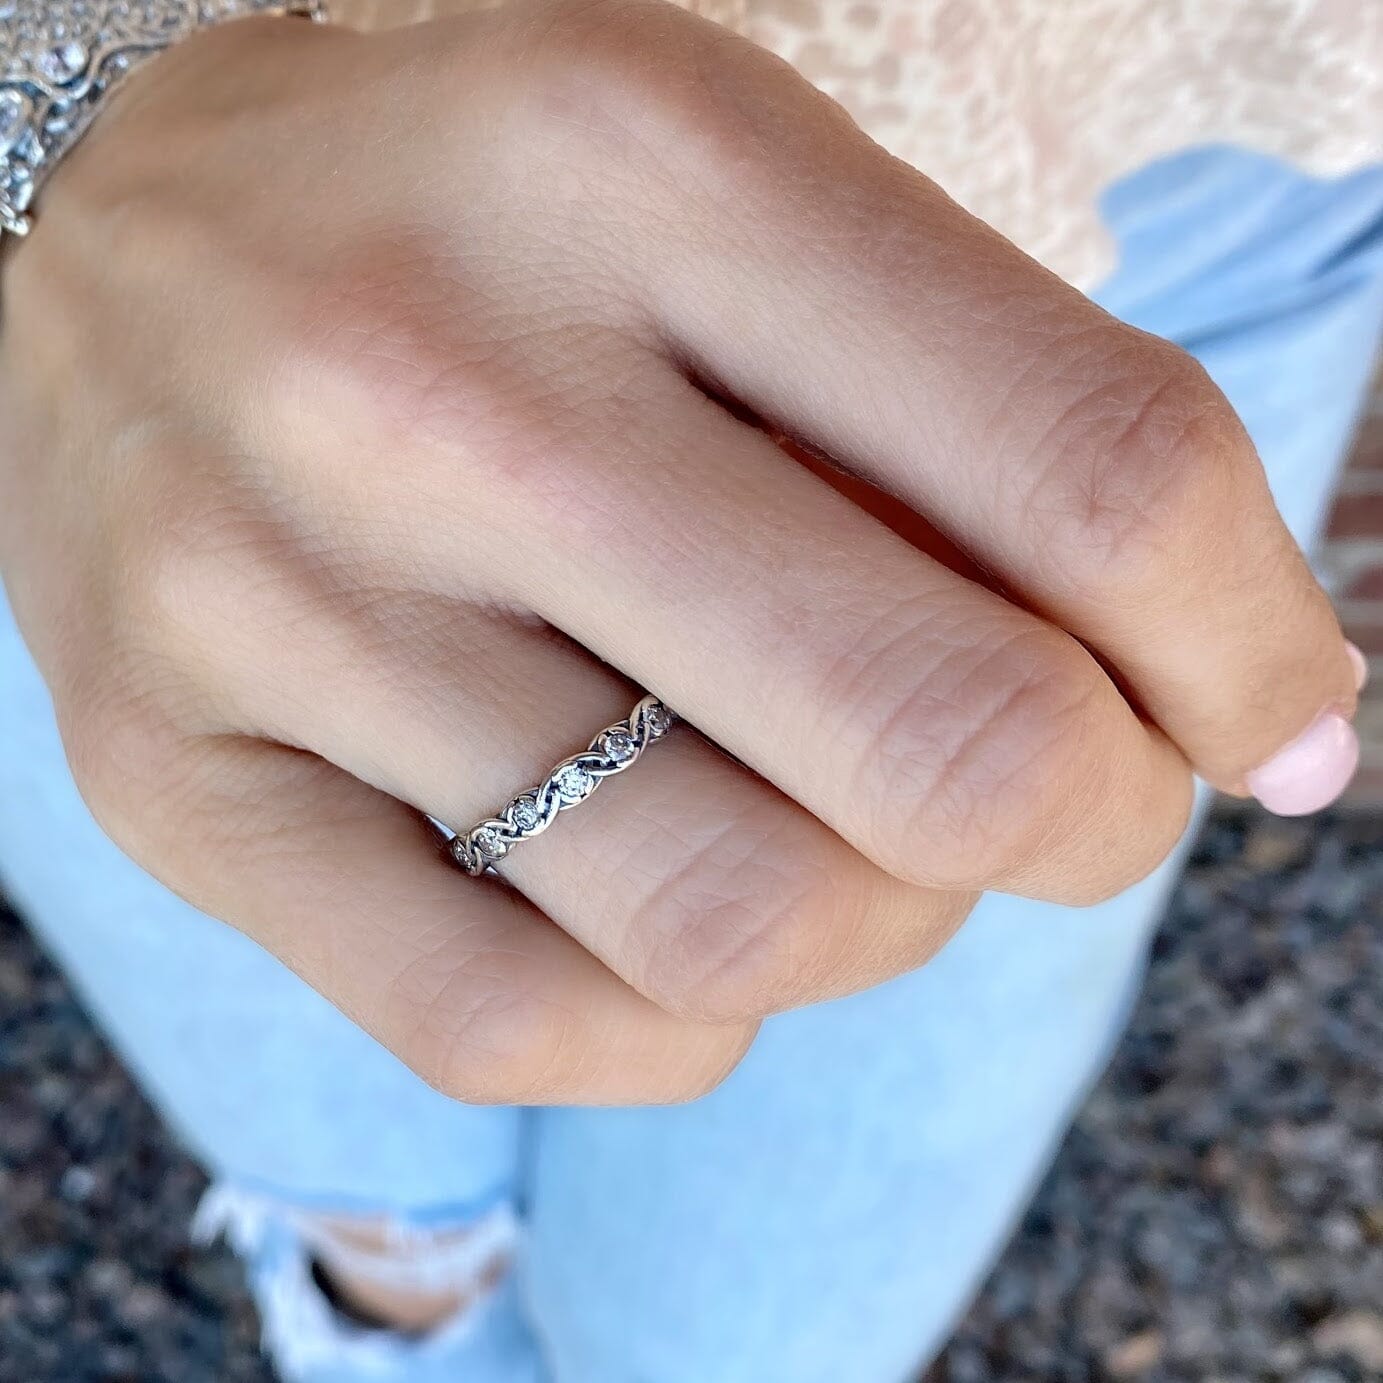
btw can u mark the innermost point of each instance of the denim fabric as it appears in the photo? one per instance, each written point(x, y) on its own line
point(825, 1214)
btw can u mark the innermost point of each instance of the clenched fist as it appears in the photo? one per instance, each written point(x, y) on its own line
point(386, 412)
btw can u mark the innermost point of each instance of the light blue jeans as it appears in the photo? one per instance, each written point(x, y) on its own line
point(824, 1216)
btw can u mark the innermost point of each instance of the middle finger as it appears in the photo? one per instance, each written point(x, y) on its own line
point(958, 741)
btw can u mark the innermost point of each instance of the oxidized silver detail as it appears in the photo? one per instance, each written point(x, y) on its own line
point(532, 811)
point(60, 58)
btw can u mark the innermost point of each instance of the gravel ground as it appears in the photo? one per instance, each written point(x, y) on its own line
point(1216, 1215)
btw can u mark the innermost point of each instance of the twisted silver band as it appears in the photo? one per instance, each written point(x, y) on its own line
point(615, 748)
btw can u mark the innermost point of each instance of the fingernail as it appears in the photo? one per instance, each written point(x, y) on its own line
point(1359, 663)
point(1311, 772)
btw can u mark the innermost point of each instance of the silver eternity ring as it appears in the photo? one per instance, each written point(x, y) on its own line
point(614, 749)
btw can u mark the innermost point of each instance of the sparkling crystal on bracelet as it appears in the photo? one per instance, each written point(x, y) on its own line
point(59, 59)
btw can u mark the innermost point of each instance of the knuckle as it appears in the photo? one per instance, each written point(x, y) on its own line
point(383, 339)
point(661, 95)
point(176, 562)
point(1141, 856)
point(415, 355)
point(101, 742)
point(606, 60)
point(958, 773)
point(138, 776)
point(1148, 825)
point(1144, 463)
point(688, 1085)
point(734, 933)
point(600, 32)
point(175, 587)
point(479, 1035)
point(217, 570)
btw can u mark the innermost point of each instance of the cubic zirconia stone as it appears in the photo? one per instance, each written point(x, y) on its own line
point(574, 781)
point(487, 839)
point(524, 813)
point(618, 745)
point(63, 61)
point(659, 721)
point(14, 113)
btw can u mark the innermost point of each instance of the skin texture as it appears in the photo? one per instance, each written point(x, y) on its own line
point(431, 384)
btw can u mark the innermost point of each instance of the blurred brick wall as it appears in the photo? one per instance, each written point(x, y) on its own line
point(1353, 560)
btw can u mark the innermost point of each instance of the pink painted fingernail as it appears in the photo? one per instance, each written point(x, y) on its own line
point(1311, 772)
point(1359, 663)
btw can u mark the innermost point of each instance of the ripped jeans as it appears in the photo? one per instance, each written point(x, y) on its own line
point(825, 1215)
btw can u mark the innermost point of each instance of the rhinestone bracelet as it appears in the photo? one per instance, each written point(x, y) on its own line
point(60, 58)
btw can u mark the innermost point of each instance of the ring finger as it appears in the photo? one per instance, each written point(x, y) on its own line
point(693, 879)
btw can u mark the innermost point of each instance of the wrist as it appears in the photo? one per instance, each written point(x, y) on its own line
point(64, 60)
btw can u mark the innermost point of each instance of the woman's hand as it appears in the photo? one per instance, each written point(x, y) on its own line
point(367, 409)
